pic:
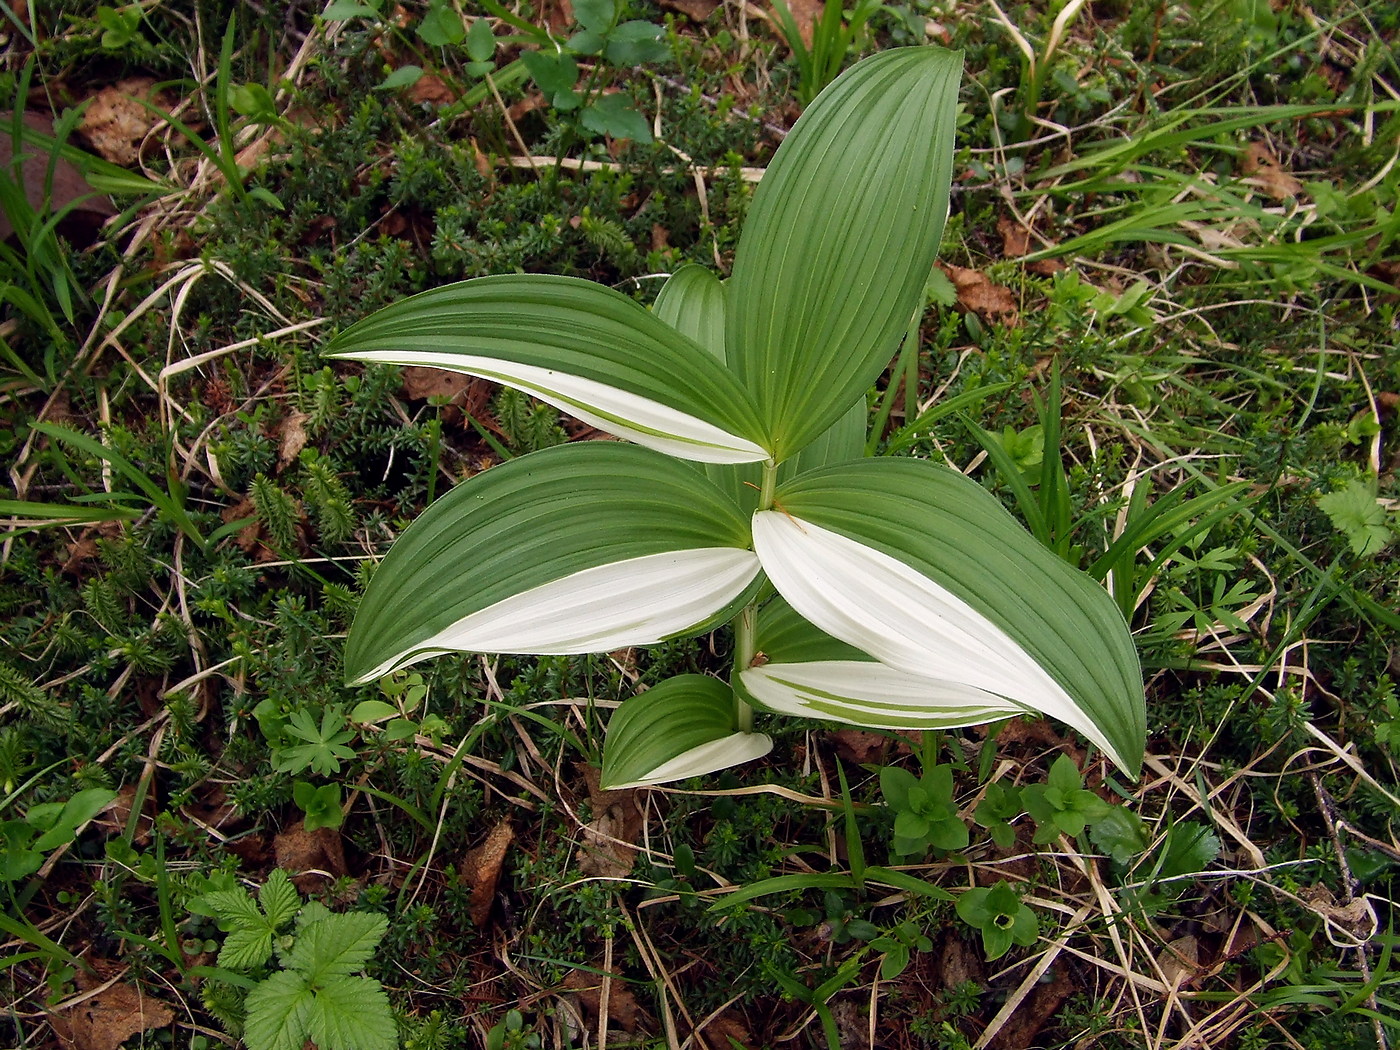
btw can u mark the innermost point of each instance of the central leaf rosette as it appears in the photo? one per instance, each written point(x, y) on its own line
point(906, 597)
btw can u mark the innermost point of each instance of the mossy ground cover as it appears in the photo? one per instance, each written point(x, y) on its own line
point(1186, 212)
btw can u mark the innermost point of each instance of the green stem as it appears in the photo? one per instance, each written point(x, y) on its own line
point(745, 648)
point(746, 623)
point(770, 485)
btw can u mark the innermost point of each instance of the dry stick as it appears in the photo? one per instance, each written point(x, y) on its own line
point(605, 992)
point(1326, 807)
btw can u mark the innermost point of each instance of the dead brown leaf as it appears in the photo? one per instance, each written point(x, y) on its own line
point(1180, 960)
point(430, 88)
point(312, 858)
point(1037, 1008)
point(420, 383)
point(115, 123)
point(725, 1031)
point(1015, 238)
point(1356, 916)
point(1262, 169)
point(623, 1008)
point(860, 745)
point(291, 439)
point(616, 823)
point(68, 186)
point(695, 10)
point(481, 869)
point(109, 1018)
point(994, 302)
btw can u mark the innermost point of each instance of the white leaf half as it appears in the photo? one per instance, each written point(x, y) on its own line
point(637, 601)
point(612, 410)
point(883, 607)
point(710, 757)
point(869, 693)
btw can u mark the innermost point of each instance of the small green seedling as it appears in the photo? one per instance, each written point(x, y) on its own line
point(925, 813)
point(1000, 915)
point(897, 944)
point(322, 745)
point(1062, 806)
point(1001, 803)
point(320, 804)
point(25, 843)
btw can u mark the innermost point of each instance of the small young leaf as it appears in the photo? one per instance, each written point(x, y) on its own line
point(616, 116)
point(1119, 833)
point(595, 15)
point(279, 898)
point(481, 42)
point(404, 76)
point(634, 43)
point(344, 10)
point(245, 948)
point(1355, 512)
point(441, 25)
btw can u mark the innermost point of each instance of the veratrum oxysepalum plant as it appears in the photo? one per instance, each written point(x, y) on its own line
point(889, 593)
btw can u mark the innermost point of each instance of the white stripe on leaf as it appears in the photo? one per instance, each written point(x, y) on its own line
point(710, 757)
point(638, 601)
point(903, 618)
point(611, 409)
point(869, 693)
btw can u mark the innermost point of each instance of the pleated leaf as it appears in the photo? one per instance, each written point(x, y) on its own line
point(579, 346)
point(580, 548)
point(919, 567)
point(840, 240)
point(806, 672)
point(684, 727)
point(692, 302)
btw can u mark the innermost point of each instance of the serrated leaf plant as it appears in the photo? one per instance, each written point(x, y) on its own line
point(317, 995)
point(891, 593)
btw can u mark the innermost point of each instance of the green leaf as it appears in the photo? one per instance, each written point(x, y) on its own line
point(481, 42)
point(580, 548)
point(808, 673)
point(279, 1011)
point(684, 727)
point(233, 908)
point(840, 240)
point(279, 898)
point(245, 948)
point(336, 945)
point(579, 346)
point(344, 10)
point(921, 568)
point(637, 42)
point(441, 25)
point(1356, 513)
point(1189, 848)
point(595, 15)
point(1121, 834)
point(404, 76)
point(367, 711)
point(692, 302)
point(76, 812)
point(615, 115)
point(352, 1014)
point(553, 71)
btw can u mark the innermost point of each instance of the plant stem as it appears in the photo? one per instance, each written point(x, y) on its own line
point(745, 648)
point(746, 623)
point(770, 484)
